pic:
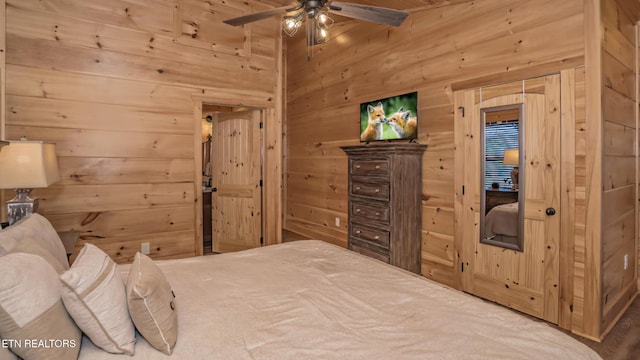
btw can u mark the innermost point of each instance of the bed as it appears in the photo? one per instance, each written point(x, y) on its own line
point(313, 300)
point(502, 220)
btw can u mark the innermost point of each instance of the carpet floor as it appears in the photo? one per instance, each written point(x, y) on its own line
point(623, 342)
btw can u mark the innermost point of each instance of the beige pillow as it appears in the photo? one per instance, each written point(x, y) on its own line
point(30, 245)
point(94, 294)
point(151, 304)
point(38, 228)
point(31, 312)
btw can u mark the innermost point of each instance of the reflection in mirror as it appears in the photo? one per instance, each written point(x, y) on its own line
point(502, 211)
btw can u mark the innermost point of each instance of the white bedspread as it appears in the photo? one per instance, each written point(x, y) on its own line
point(502, 220)
point(313, 300)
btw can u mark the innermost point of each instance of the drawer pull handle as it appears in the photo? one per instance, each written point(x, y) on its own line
point(377, 190)
point(377, 214)
point(357, 187)
point(357, 166)
point(357, 210)
point(377, 237)
point(358, 231)
point(377, 167)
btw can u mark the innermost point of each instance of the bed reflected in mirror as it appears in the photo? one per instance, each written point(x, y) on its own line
point(501, 215)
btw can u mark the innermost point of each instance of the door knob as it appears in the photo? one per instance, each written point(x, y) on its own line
point(215, 189)
point(550, 211)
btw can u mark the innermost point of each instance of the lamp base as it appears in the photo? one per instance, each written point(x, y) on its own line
point(21, 205)
point(515, 178)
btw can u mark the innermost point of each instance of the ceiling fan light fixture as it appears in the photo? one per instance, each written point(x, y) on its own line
point(322, 33)
point(324, 18)
point(291, 24)
point(319, 21)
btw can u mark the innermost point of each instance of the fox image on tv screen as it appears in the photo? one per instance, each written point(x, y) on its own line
point(392, 118)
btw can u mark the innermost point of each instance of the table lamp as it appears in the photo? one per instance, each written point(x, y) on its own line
point(512, 157)
point(25, 165)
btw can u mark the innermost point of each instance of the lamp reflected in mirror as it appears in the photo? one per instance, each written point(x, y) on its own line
point(512, 157)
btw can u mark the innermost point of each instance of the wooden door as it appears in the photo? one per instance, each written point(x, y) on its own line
point(236, 168)
point(526, 280)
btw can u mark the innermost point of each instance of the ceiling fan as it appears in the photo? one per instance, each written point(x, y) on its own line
point(317, 13)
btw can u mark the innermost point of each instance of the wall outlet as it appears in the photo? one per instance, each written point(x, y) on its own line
point(337, 222)
point(144, 248)
point(626, 261)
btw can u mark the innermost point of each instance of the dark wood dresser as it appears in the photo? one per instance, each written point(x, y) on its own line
point(385, 208)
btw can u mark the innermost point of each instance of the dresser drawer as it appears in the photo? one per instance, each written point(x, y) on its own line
point(377, 191)
point(370, 167)
point(379, 255)
point(378, 237)
point(379, 214)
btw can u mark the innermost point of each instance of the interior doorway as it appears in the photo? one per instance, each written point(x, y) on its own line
point(231, 149)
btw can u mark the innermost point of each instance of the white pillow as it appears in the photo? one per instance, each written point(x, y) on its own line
point(31, 312)
point(39, 228)
point(30, 245)
point(151, 304)
point(94, 295)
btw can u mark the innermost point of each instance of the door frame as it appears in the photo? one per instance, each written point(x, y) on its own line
point(566, 250)
point(271, 164)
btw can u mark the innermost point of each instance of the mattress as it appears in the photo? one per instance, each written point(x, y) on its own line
point(313, 300)
point(502, 220)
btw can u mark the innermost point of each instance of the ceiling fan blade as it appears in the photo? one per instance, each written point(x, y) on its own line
point(370, 13)
point(259, 16)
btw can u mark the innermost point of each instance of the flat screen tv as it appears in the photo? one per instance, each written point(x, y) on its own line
point(392, 118)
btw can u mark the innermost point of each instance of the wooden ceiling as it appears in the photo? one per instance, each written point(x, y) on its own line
point(633, 6)
point(392, 4)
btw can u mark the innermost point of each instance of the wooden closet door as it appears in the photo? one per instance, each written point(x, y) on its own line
point(526, 280)
point(236, 199)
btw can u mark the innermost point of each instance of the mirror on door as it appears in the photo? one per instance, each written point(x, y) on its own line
point(502, 178)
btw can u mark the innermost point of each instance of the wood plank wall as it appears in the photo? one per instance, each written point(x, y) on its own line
point(484, 42)
point(619, 102)
point(576, 293)
point(478, 44)
point(107, 82)
point(3, 102)
point(3, 61)
point(638, 152)
point(587, 282)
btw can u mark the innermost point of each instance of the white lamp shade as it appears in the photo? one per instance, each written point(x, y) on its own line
point(28, 164)
point(511, 157)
